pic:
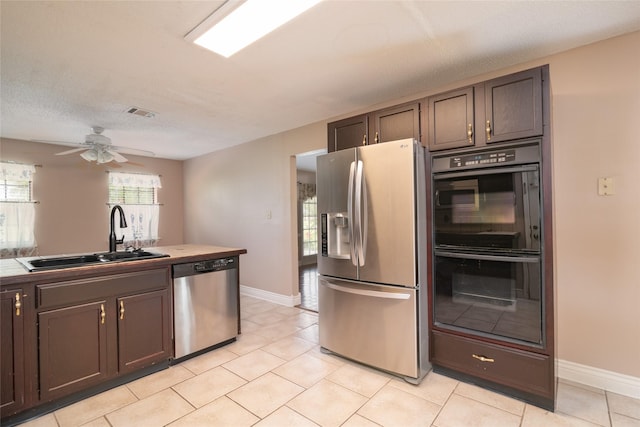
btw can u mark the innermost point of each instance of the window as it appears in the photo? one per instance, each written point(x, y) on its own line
point(309, 226)
point(17, 210)
point(137, 194)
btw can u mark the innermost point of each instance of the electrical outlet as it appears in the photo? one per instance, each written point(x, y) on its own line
point(605, 186)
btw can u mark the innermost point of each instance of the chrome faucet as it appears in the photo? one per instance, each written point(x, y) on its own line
point(112, 234)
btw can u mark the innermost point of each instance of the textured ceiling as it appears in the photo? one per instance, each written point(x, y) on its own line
point(70, 65)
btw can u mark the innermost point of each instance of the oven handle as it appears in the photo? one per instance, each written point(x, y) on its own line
point(487, 171)
point(483, 257)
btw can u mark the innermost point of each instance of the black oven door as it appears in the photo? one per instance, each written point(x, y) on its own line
point(489, 295)
point(496, 208)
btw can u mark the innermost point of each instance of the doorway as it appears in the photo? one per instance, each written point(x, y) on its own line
point(307, 229)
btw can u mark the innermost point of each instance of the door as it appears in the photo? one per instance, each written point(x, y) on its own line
point(389, 213)
point(143, 330)
point(374, 325)
point(513, 106)
point(12, 353)
point(334, 214)
point(73, 349)
point(348, 133)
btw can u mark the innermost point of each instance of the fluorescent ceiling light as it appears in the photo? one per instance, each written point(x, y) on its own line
point(237, 24)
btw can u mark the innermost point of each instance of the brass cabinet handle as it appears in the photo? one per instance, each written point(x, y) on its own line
point(470, 133)
point(483, 358)
point(364, 139)
point(18, 304)
point(488, 130)
point(121, 310)
point(102, 314)
point(377, 139)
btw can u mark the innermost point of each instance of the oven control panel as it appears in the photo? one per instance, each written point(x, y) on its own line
point(482, 158)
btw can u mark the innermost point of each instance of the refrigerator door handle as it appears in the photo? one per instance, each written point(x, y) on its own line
point(350, 217)
point(375, 294)
point(361, 213)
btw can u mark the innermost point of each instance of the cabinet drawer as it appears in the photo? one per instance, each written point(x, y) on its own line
point(529, 372)
point(90, 289)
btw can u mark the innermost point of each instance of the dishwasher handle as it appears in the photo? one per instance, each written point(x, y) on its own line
point(207, 266)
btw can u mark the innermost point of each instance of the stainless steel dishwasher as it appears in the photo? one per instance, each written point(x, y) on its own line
point(205, 297)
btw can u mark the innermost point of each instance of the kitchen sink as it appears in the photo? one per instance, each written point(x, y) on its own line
point(70, 261)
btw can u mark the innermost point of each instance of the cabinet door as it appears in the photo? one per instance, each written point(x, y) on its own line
point(72, 349)
point(144, 335)
point(12, 352)
point(348, 133)
point(399, 122)
point(513, 106)
point(451, 119)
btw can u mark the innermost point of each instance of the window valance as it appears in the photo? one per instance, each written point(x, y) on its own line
point(16, 172)
point(134, 180)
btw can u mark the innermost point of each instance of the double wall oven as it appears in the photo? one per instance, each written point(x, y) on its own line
point(487, 260)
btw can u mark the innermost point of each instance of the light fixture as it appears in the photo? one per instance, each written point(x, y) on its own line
point(237, 24)
point(98, 155)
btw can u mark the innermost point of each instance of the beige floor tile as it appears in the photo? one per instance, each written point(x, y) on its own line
point(537, 417)
point(327, 403)
point(580, 385)
point(359, 421)
point(462, 411)
point(98, 422)
point(209, 360)
point(94, 407)
point(254, 364)
point(279, 330)
point(305, 370)
point(288, 348)
point(624, 405)
point(208, 386)
point(286, 417)
point(159, 381)
point(491, 398)
point(250, 309)
point(48, 420)
point(581, 403)
point(156, 410)
point(305, 319)
point(289, 311)
point(265, 394)
point(618, 420)
point(434, 387)
point(310, 334)
point(328, 357)
point(362, 380)
point(394, 407)
point(221, 412)
point(267, 318)
point(247, 342)
point(249, 326)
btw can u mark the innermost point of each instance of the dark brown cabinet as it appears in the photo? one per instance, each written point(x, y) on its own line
point(72, 349)
point(93, 330)
point(389, 124)
point(12, 352)
point(503, 109)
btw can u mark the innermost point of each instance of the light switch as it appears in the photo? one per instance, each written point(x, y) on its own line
point(605, 186)
point(267, 214)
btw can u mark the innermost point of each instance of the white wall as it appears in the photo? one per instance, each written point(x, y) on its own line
point(596, 109)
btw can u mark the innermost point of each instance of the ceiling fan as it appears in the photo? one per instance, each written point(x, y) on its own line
point(98, 148)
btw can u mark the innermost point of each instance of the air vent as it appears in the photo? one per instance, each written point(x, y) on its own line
point(140, 112)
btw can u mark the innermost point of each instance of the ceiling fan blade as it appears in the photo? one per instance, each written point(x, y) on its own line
point(118, 157)
point(132, 151)
point(74, 150)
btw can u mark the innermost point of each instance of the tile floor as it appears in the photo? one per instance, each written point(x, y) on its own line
point(276, 375)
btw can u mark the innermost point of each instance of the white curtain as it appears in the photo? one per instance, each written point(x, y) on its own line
point(142, 219)
point(17, 218)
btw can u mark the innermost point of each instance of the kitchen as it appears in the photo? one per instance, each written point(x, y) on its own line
point(590, 85)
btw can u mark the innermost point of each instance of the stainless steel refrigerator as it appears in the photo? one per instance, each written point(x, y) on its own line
point(372, 256)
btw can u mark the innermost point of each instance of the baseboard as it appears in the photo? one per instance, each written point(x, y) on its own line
point(600, 378)
point(286, 300)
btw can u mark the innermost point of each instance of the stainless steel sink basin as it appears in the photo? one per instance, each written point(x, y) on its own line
point(59, 262)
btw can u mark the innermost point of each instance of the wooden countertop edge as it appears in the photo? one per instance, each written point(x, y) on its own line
point(178, 254)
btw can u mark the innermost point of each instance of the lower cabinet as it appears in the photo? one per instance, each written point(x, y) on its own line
point(99, 329)
point(12, 379)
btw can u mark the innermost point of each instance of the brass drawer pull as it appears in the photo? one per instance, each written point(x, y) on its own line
point(483, 358)
point(102, 314)
point(488, 130)
point(470, 133)
point(18, 304)
point(121, 310)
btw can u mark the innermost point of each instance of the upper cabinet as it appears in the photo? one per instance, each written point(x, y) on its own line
point(389, 124)
point(502, 109)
